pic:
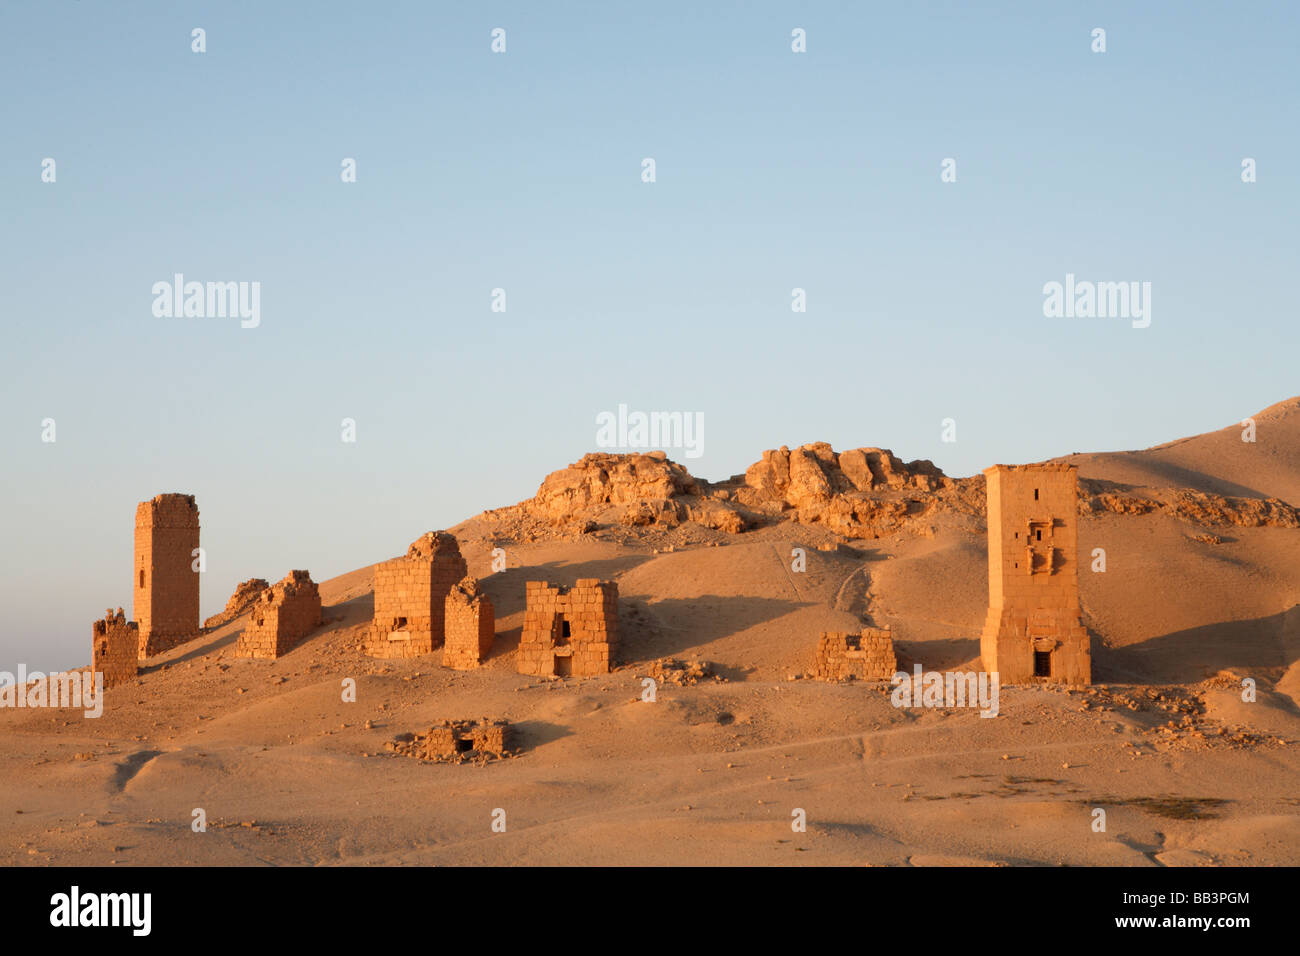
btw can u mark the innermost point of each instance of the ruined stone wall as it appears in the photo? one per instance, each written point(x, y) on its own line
point(115, 648)
point(467, 737)
point(281, 617)
point(246, 594)
point(865, 656)
point(569, 631)
point(458, 740)
point(165, 585)
point(470, 625)
point(1034, 630)
point(410, 597)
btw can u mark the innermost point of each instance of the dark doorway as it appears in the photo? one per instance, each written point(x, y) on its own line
point(1042, 663)
point(464, 746)
point(563, 666)
point(561, 632)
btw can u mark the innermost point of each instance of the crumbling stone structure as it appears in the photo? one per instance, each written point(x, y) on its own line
point(166, 586)
point(282, 616)
point(1034, 630)
point(470, 626)
point(115, 648)
point(410, 597)
point(569, 631)
point(456, 741)
point(868, 655)
point(246, 594)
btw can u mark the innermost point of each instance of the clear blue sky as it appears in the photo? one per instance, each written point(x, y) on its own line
point(521, 170)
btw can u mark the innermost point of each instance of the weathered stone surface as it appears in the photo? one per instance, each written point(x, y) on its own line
point(458, 741)
point(115, 648)
point(245, 595)
point(568, 632)
point(868, 655)
point(470, 623)
point(1034, 631)
point(281, 617)
point(859, 493)
point(714, 513)
point(166, 585)
point(410, 597)
point(608, 479)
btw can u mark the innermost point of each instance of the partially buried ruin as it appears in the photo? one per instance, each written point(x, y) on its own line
point(410, 597)
point(457, 741)
point(569, 632)
point(1034, 630)
point(281, 617)
point(867, 655)
point(166, 585)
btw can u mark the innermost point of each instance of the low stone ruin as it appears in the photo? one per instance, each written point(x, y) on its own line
point(115, 647)
point(246, 594)
point(458, 741)
point(670, 670)
point(282, 616)
point(470, 623)
point(868, 655)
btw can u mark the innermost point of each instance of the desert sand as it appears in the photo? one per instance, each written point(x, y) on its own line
point(1201, 590)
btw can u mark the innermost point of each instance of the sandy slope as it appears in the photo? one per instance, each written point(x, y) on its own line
point(1218, 461)
point(711, 773)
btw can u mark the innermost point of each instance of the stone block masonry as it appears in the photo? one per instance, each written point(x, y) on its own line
point(458, 741)
point(246, 594)
point(868, 655)
point(569, 632)
point(1034, 630)
point(281, 617)
point(470, 626)
point(410, 597)
point(115, 648)
point(165, 585)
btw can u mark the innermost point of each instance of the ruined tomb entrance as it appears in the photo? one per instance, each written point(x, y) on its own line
point(464, 746)
point(1042, 663)
point(560, 632)
point(563, 666)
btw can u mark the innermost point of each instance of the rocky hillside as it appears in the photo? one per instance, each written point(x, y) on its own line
point(862, 493)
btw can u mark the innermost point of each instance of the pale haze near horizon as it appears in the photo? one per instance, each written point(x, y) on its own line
point(522, 171)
